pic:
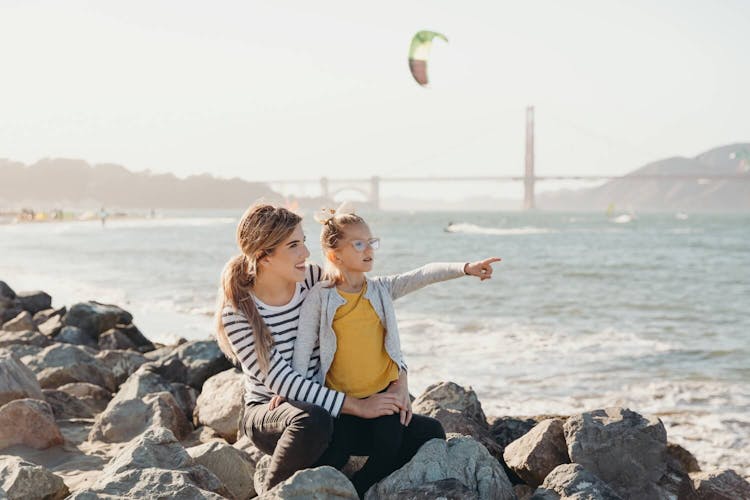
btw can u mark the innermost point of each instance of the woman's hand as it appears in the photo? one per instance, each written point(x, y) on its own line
point(401, 389)
point(374, 406)
point(482, 269)
point(275, 402)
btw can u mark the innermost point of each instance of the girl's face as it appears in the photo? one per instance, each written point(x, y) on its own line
point(288, 259)
point(347, 258)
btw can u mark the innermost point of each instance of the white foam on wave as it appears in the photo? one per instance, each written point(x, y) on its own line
point(467, 228)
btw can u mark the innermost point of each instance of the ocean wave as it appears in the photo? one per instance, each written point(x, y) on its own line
point(467, 228)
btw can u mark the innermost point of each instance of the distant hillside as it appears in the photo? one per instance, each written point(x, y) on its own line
point(669, 194)
point(73, 183)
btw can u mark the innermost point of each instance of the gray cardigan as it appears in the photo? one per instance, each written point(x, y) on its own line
point(319, 308)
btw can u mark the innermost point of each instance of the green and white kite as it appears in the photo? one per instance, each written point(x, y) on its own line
point(419, 53)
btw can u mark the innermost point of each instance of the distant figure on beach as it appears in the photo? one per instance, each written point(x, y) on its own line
point(262, 289)
point(103, 216)
point(350, 319)
point(447, 228)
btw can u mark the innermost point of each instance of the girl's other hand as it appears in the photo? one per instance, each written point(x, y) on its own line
point(275, 402)
point(378, 405)
point(482, 269)
point(401, 389)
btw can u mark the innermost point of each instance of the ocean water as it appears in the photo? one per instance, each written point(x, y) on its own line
point(584, 312)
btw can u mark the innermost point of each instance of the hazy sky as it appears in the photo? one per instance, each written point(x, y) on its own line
point(301, 89)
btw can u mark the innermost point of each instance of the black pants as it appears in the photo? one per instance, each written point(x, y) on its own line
point(295, 435)
point(387, 443)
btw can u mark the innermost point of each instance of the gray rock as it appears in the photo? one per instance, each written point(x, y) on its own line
point(17, 381)
point(22, 321)
point(24, 480)
point(624, 449)
point(9, 308)
point(6, 292)
point(688, 462)
point(51, 326)
point(186, 398)
point(34, 301)
point(452, 396)
point(123, 420)
point(523, 491)
point(65, 406)
point(76, 336)
point(462, 459)
point(244, 444)
point(261, 472)
point(320, 483)
point(29, 422)
point(572, 481)
point(154, 465)
point(202, 358)
point(535, 454)
point(233, 467)
point(676, 483)
point(20, 351)
point(136, 337)
point(203, 435)
point(27, 337)
point(447, 489)
point(723, 485)
point(61, 364)
point(46, 314)
point(505, 430)
point(115, 339)
point(220, 403)
point(94, 396)
point(122, 364)
point(95, 318)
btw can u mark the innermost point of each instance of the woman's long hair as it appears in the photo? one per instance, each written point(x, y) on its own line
point(261, 229)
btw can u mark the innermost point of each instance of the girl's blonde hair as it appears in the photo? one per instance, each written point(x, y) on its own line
point(261, 229)
point(330, 237)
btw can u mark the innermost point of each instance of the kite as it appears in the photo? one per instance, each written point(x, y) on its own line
point(419, 52)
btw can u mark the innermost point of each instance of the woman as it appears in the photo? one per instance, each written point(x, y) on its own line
point(261, 292)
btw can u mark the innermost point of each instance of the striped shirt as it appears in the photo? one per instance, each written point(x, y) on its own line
point(281, 378)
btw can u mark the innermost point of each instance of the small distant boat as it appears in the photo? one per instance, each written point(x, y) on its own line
point(681, 216)
point(623, 219)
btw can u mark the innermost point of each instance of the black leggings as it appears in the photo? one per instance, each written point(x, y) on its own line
point(387, 443)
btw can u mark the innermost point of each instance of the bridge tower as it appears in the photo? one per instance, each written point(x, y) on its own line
point(528, 179)
point(375, 192)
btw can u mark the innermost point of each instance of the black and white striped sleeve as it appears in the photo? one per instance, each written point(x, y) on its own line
point(313, 274)
point(281, 378)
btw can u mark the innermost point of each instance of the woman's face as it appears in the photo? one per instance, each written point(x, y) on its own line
point(288, 259)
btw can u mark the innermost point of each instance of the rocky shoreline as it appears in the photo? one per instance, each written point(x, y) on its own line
point(90, 408)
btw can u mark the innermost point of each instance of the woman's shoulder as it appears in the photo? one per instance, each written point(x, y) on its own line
point(313, 274)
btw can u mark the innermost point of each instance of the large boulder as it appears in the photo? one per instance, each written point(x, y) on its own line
point(534, 455)
point(115, 339)
point(66, 406)
point(220, 404)
point(6, 292)
point(461, 458)
point(51, 327)
point(35, 301)
point(95, 318)
point(92, 395)
point(451, 396)
point(60, 364)
point(202, 358)
point(623, 448)
point(320, 483)
point(29, 422)
point(572, 481)
point(46, 314)
point(505, 430)
point(10, 306)
point(154, 465)
point(24, 480)
point(17, 381)
point(122, 364)
point(233, 467)
point(76, 336)
point(27, 337)
point(135, 336)
point(22, 321)
point(723, 485)
point(125, 419)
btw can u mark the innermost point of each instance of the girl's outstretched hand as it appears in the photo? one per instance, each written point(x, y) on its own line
point(482, 269)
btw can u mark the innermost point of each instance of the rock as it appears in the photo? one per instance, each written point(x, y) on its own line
point(35, 301)
point(505, 430)
point(724, 485)
point(233, 467)
point(76, 336)
point(6, 292)
point(452, 396)
point(52, 326)
point(220, 404)
point(523, 491)
point(448, 489)
point(24, 480)
point(46, 314)
point(353, 465)
point(95, 318)
point(186, 398)
point(123, 420)
point(22, 321)
point(535, 454)
point(122, 364)
point(135, 336)
point(20, 351)
point(202, 358)
point(624, 449)
point(10, 306)
point(115, 339)
point(27, 337)
point(572, 481)
point(29, 422)
point(320, 483)
point(17, 381)
point(457, 422)
point(65, 406)
point(60, 364)
point(159, 353)
point(203, 435)
point(94, 396)
point(676, 483)
point(462, 459)
point(154, 465)
point(244, 444)
point(687, 461)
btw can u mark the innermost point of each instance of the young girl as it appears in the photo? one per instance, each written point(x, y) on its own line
point(261, 292)
point(350, 318)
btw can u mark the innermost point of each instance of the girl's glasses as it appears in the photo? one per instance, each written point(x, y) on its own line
point(361, 245)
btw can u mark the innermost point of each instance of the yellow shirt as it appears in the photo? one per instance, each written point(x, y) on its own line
point(361, 366)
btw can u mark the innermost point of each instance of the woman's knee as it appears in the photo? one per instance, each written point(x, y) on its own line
point(315, 426)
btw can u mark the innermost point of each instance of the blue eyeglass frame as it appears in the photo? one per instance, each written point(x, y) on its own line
point(361, 245)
